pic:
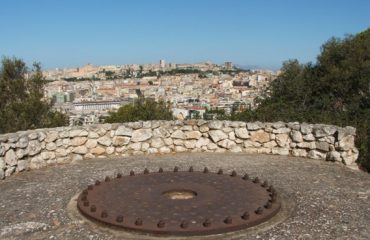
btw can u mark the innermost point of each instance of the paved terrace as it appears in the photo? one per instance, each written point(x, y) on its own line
point(322, 200)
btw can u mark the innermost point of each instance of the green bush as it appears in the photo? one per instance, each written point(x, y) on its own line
point(22, 103)
point(334, 90)
point(142, 109)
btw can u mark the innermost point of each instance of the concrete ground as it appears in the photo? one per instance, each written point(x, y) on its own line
point(321, 200)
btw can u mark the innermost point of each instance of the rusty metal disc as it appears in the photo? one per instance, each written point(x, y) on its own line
point(180, 202)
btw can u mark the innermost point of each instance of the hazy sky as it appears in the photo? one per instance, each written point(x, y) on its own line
point(67, 33)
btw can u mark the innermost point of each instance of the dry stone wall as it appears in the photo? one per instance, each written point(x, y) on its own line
point(42, 147)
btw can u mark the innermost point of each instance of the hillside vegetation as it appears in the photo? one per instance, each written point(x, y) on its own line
point(334, 90)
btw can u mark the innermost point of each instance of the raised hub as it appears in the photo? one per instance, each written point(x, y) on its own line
point(180, 202)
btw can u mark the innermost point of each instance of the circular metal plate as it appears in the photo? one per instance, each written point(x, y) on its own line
point(180, 203)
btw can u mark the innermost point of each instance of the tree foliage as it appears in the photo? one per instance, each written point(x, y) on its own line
point(334, 90)
point(142, 109)
point(22, 103)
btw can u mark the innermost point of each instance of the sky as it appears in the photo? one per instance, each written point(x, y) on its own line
point(257, 33)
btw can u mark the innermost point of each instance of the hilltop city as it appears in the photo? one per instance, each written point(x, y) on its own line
point(88, 93)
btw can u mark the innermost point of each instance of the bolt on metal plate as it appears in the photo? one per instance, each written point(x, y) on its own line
point(180, 202)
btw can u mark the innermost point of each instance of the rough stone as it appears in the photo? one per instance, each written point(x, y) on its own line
point(215, 124)
point(202, 142)
point(203, 128)
point(91, 143)
point(168, 141)
point(61, 152)
point(123, 131)
point(236, 149)
point(120, 141)
point(232, 136)
point(211, 146)
point(178, 134)
point(22, 142)
point(93, 135)
point(347, 143)
point(270, 144)
point(282, 130)
point(165, 150)
point(190, 143)
point(145, 146)
point(180, 149)
point(249, 143)
point(307, 145)
point(226, 143)
point(2, 163)
point(254, 125)
point(282, 139)
point(22, 165)
point(242, 133)
point(135, 146)
point(260, 136)
point(280, 151)
point(9, 171)
point(97, 150)
point(309, 137)
point(105, 141)
point(51, 146)
point(80, 150)
point(2, 174)
point(349, 157)
point(51, 136)
point(11, 158)
point(296, 136)
point(21, 153)
point(110, 150)
point(299, 153)
point(161, 132)
point(278, 125)
point(217, 135)
point(192, 135)
point(157, 142)
point(78, 141)
point(316, 154)
point(324, 146)
point(178, 142)
point(306, 128)
point(334, 156)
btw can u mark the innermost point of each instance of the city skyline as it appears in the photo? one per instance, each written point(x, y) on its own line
point(248, 33)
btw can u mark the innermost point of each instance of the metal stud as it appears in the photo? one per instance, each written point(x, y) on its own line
point(234, 174)
point(146, 171)
point(139, 222)
point(161, 224)
point(256, 180)
point(205, 170)
point(245, 216)
point(259, 211)
point(119, 218)
point(104, 214)
point(176, 169)
point(92, 208)
point(245, 177)
point(268, 205)
point(228, 220)
point(107, 179)
point(220, 171)
point(184, 224)
point(207, 223)
point(265, 184)
point(132, 173)
point(83, 198)
point(191, 169)
point(97, 183)
point(119, 175)
point(160, 170)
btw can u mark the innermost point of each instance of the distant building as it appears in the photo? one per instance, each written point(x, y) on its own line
point(162, 63)
point(228, 65)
